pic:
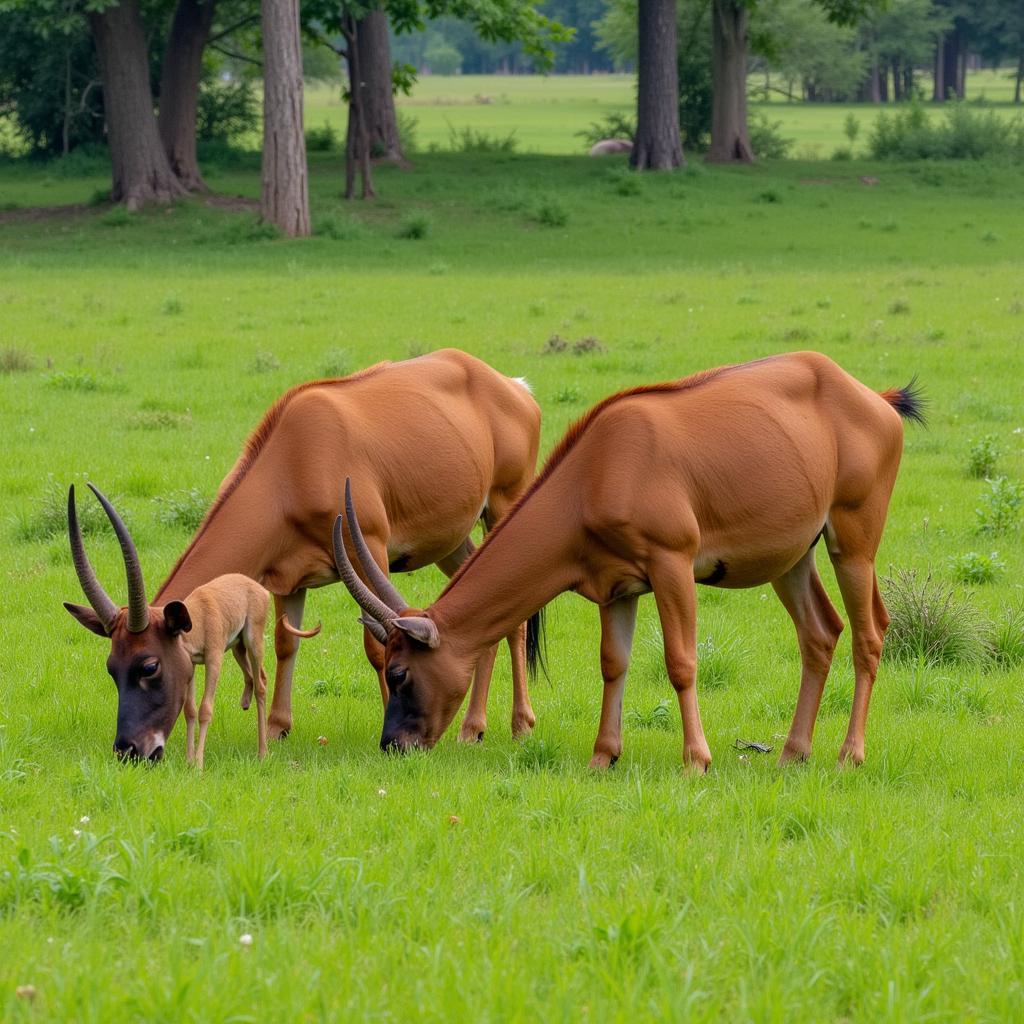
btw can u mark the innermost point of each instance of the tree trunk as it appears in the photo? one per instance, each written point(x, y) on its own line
point(1020, 78)
point(357, 140)
point(952, 64)
point(285, 197)
point(939, 89)
point(897, 82)
point(375, 93)
point(657, 146)
point(876, 83)
point(179, 88)
point(141, 173)
point(729, 139)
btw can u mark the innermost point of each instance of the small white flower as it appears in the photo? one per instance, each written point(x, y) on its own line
point(245, 940)
point(76, 832)
point(84, 819)
point(382, 792)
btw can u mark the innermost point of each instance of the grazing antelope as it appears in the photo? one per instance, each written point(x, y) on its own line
point(434, 444)
point(727, 478)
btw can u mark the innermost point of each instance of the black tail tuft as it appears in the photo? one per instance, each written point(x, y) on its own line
point(909, 402)
point(536, 645)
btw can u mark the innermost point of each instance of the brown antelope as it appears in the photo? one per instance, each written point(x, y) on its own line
point(433, 444)
point(726, 478)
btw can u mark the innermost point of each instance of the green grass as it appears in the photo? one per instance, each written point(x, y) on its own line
point(887, 893)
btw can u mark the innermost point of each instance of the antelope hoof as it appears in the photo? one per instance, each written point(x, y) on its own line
point(472, 731)
point(851, 756)
point(794, 753)
point(696, 760)
point(602, 760)
point(278, 730)
point(245, 701)
point(523, 723)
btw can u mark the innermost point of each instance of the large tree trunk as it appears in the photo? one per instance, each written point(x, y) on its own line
point(952, 65)
point(357, 142)
point(729, 139)
point(939, 87)
point(179, 88)
point(657, 146)
point(375, 91)
point(1020, 78)
point(876, 82)
point(141, 172)
point(285, 196)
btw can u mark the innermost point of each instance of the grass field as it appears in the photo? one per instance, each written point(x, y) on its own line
point(139, 350)
point(545, 113)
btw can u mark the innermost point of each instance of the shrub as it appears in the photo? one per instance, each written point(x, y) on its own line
point(932, 622)
point(226, 110)
point(660, 716)
point(766, 139)
point(407, 131)
point(335, 226)
point(182, 508)
point(73, 380)
point(414, 226)
point(910, 134)
point(1000, 509)
point(982, 457)
point(842, 153)
point(469, 140)
point(551, 214)
point(322, 140)
point(972, 567)
point(118, 217)
point(611, 126)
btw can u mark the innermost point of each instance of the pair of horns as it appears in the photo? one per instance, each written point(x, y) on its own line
point(102, 605)
point(383, 604)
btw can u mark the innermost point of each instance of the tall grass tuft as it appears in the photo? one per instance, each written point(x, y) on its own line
point(14, 360)
point(1006, 637)
point(182, 508)
point(49, 515)
point(932, 622)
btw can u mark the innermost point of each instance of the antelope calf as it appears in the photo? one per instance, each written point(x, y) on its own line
point(155, 648)
point(728, 478)
point(226, 614)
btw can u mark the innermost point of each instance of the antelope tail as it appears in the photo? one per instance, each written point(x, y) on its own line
point(908, 401)
point(304, 633)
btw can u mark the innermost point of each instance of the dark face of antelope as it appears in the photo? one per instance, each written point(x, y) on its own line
point(426, 679)
point(148, 661)
point(426, 685)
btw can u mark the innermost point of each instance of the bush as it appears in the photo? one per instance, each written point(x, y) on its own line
point(963, 134)
point(226, 110)
point(982, 457)
point(469, 140)
point(932, 622)
point(407, 126)
point(322, 140)
point(611, 126)
point(414, 226)
point(766, 139)
point(1000, 509)
point(972, 567)
point(551, 214)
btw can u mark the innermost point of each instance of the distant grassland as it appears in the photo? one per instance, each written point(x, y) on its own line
point(545, 113)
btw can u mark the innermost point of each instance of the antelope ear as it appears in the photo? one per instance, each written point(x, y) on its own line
point(177, 618)
point(88, 618)
point(419, 628)
point(379, 633)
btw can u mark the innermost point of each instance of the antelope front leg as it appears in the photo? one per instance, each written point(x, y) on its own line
point(676, 594)
point(523, 718)
point(286, 648)
point(474, 725)
point(213, 663)
point(618, 621)
point(190, 721)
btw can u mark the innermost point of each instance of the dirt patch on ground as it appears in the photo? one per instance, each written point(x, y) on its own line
point(239, 204)
point(29, 214)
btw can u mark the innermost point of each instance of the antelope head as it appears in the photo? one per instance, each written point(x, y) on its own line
point(427, 678)
point(148, 661)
